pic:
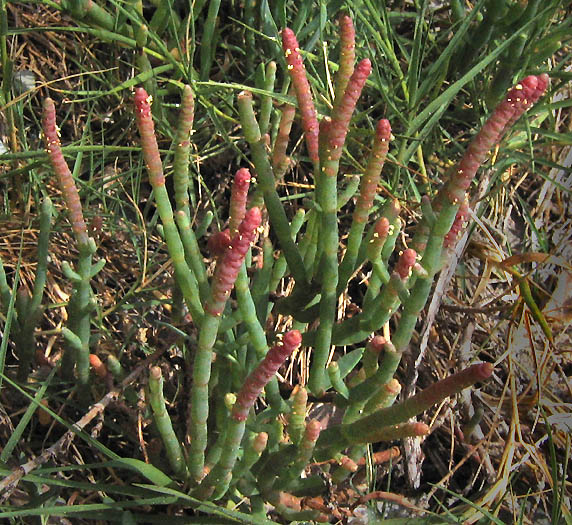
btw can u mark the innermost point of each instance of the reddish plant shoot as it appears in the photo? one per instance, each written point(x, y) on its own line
point(347, 56)
point(370, 179)
point(303, 93)
point(63, 173)
point(228, 266)
point(149, 145)
point(405, 263)
point(238, 198)
point(263, 373)
point(342, 114)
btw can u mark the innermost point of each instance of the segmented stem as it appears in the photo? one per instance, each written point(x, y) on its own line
point(262, 374)
point(238, 197)
point(267, 184)
point(226, 271)
point(387, 423)
point(457, 226)
point(303, 456)
point(171, 443)
point(303, 93)
point(342, 113)
point(332, 137)
point(368, 191)
point(279, 159)
point(296, 419)
point(228, 265)
point(183, 275)
point(431, 232)
point(182, 149)
point(63, 174)
point(347, 57)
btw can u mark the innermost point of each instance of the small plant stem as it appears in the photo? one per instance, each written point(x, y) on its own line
point(360, 394)
point(46, 211)
point(245, 399)
point(368, 190)
point(347, 57)
point(238, 198)
point(430, 237)
point(193, 254)
point(183, 275)
point(296, 419)
point(252, 452)
point(171, 443)
point(266, 183)
point(279, 159)
point(79, 305)
point(79, 323)
point(181, 178)
point(63, 174)
point(304, 451)
point(256, 332)
point(384, 397)
point(248, 311)
point(329, 271)
point(91, 11)
point(226, 272)
point(336, 379)
point(370, 360)
point(218, 479)
point(375, 244)
point(332, 139)
point(279, 267)
point(303, 93)
point(263, 373)
point(266, 100)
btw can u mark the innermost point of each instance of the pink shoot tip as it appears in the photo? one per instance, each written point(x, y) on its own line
point(376, 344)
point(292, 340)
point(142, 102)
point(381, 228)
point(383, 130)
point(251, 221)
point(405, 263)
point(242, 178)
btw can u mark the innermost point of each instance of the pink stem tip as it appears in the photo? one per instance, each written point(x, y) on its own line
point(263, 373)
point(228, 266)
point(63, 173)
point(303, 93)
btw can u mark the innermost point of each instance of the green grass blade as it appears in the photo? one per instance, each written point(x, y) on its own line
point(23, 423)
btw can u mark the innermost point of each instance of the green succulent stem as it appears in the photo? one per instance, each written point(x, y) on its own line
point(181, 179)
point(79, 306)
point(173, 449)
point(266, 183)
point(388, 423)
point(185, 278)
point(368, 190)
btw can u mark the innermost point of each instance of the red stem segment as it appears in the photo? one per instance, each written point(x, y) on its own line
point(263, 373)
point(303, 93)
point(238, 197)
point(63, 173)
point(347, 56)
point(228, 266)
